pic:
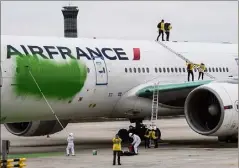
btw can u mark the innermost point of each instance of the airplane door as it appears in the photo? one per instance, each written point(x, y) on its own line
point(101, 71)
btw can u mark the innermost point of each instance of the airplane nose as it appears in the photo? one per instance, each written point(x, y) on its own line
point(213, 109)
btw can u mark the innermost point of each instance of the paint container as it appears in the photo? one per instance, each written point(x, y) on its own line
point(94, 152)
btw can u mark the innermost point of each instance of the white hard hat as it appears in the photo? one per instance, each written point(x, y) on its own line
point(130, 134)
point(71, 134)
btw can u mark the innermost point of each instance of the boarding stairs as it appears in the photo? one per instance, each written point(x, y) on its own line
point(184, 58)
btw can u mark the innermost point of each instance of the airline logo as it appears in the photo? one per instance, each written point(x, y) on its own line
point(51, 52)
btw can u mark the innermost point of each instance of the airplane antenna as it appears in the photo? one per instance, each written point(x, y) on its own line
point(46, 100)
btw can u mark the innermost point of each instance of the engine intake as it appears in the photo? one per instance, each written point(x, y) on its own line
point(35, 128)
point(210, 109)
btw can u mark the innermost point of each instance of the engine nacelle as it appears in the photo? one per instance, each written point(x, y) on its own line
point(35, 128)
point(212, 109)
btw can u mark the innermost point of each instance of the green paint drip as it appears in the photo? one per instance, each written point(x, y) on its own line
point(56, 80)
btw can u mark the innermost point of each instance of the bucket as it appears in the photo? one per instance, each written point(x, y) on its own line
point(94, 152)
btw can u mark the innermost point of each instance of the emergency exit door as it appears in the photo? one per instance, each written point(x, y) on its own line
point(100, 71)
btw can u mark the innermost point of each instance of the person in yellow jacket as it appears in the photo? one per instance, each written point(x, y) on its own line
point(190, 70)
point(161, 30)
point(167, 27)
point(116, 148)
point(201, 70)
point(154, 137)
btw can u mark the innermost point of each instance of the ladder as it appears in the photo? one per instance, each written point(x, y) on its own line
point(184, 58)
point(154, 113)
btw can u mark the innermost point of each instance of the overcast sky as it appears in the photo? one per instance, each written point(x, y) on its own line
point(192, 21)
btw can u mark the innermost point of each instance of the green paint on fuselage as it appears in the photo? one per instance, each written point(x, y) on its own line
point(57, 80)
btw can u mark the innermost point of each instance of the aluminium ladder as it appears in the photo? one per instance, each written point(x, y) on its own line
point(154, 113)
point(184, 58)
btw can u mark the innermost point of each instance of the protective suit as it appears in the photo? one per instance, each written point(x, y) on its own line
point(136, 142)
point(70, 145)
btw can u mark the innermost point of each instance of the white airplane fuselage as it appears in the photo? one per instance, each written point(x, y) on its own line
point(108, 69)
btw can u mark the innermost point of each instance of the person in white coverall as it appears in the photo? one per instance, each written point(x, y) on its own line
point(70, 145)
point(136, 142)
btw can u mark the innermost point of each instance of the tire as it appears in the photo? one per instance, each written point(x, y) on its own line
point(124, 135)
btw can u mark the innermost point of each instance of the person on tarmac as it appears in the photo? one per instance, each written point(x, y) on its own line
point(201, 70)
point(154, 137)
point(116, 148)
point(70, 145)
point(146, 138)
point(136, 142)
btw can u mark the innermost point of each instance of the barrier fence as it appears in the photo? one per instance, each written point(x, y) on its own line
point(9, 163)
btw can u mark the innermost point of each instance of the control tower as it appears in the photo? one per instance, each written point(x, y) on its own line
point(70, 21)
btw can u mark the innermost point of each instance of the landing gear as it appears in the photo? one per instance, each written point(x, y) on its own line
point(228, 139)
point(139, 129)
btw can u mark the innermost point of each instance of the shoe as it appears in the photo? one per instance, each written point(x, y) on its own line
point(72, 155)
point(119, 164)
point(67, 155)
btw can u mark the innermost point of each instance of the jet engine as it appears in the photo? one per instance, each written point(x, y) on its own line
point(212, 109)
point(35, 128)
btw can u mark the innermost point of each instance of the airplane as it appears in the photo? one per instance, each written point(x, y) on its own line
point(92, 78)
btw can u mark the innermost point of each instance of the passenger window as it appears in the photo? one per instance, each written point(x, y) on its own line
point(164, 70)
point(216, 69)
point(125, 70)
point(156, 70)
point(171, 69)
point(223, 69)
point(179, 69)
point(139, 70)
point(147, 70)
point(184, 70)
point(160, 70)
point(227, 69)
point(134, 70)
point(176, 70)
point(220, 69)
point(209, 69)
point(168, 70)
point(213, 70)
point(195, 69)
point(130, 70)
point(143, 70)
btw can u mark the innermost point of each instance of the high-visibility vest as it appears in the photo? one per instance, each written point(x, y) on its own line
point(190, 66)
point(116, 144)
point(152, 135)
point(202, 68)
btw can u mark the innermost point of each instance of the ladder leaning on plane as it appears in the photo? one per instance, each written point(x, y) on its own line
point(154, 113)
point(184, 58)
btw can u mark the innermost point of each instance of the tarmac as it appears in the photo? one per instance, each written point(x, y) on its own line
point(181, 147)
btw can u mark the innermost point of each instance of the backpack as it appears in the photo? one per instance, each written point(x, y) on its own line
point(166, 26)
point(159, 25)
point(188, 67)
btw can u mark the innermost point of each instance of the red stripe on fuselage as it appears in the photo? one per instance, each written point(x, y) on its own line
point(136, 54)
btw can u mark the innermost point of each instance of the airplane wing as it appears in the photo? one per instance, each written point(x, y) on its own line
point(171, 98)
point(164, 88)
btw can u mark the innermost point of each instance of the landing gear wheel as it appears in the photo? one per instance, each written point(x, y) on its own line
point(124, 135)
